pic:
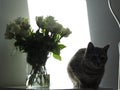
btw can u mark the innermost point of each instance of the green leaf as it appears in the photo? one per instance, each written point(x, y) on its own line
point(61, 46)
point(57, 56)
point(56, 51)
point(58, 48)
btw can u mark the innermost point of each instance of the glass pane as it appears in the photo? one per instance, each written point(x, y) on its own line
point(71, 14)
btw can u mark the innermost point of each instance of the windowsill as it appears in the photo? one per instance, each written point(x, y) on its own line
point(24, 88)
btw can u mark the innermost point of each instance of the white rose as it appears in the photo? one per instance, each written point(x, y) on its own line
point(50, 23)
point(65, 32)
point(40, 22)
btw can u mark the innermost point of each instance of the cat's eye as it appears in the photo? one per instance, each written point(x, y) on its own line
point(102, 58)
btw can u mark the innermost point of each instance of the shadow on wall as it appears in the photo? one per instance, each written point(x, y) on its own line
point(12, 67)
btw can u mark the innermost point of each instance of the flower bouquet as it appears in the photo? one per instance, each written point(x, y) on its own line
point(37, 44)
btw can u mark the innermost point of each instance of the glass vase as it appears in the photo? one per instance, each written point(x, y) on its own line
point(38, 78)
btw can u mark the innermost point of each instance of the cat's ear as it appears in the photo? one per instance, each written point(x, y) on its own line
point(89, 49)
point(90, 45)
point(106, 47)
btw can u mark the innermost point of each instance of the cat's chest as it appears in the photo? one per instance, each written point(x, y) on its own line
point(84, 69)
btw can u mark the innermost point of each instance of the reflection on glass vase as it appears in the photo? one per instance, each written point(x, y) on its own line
point(38, 78)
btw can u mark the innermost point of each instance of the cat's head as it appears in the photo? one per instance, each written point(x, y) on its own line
point(96, 55)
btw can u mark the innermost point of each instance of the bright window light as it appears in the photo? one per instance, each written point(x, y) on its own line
point(71, 14)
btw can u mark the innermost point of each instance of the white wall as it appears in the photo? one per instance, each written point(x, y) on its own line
point(104, 30)
point(12, 67)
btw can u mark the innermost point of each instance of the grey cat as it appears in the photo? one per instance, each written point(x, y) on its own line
point(87, 66)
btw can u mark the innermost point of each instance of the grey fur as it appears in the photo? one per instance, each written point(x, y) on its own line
point(87, 66)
